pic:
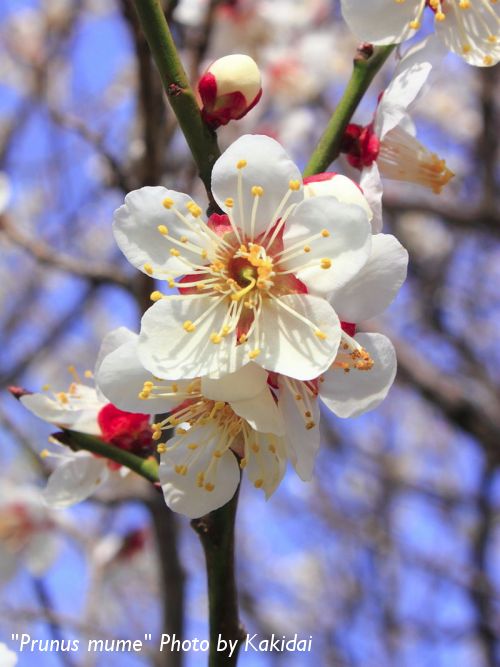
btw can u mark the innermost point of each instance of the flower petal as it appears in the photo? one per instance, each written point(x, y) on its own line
point(288, 343)
point(66, 415)
point(261, 412)
point(371, 184)
point(266, 463)
point(375, 287)
point(468, 32)
point(338, 186)
point(343, 243)
point(121, 377)
point(75, 480)
point(135, 228)
point(351, 394)
point(182, 492)
point(301, 443)
point(380, 21)
point(246, 382)
point(268, 166)
point(168, 351)
point(409, 78)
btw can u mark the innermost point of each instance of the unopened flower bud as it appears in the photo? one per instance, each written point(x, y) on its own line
point(230, 87)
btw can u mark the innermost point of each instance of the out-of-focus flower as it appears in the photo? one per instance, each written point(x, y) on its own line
point(255, 278)
point(27, 532)
point(214, 421)
point(82, 408)
point(229, 88)
point(469, 28)
point(388, 146)
point(7, 657)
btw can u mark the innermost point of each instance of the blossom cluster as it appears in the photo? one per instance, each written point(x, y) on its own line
point(257, 320)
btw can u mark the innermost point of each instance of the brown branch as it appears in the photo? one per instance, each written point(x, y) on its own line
point(44, 254)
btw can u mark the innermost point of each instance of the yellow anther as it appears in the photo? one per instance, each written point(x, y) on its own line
point(310, 425)
point(217, 454)
point(174, 387)
point(62, 397)
point(156, 295)
point(192, 446)
point(161, 448)
point(148, 384)
point(204, 254)
point(209, 487)
point(218, 405)
point(415, 25)
point(241, 164)
point(326, 263)
point(464, 4)
point(180, 431)
point(307, 248)
point(226, 330)
point(171, 282)
point(325, 233)
point(272, 449)
point(294, 185)
point(320, 334)
point(183, 239)
point(163, 230)
point(46, 387)
point(492, 39)
point(195, 210)
point(156, 435)
point(215, 338)
point(88, 374)
point(487, 60)
point(168, 202)
point(181, 470)
point(188, 326)
point(259, 483)
point(253, 354)
point(440, 16)
point(243, 463)
point(174, 252)
point(148, 269)
point(200, 477)
point(44, 453)
point(257, 191)
point(229, 202)
point(466, 48)
point(143, 395)
point(243, 338)
point(255, 448)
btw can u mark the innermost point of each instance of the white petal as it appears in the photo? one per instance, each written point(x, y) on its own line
point(371, 184)
point(351, 394)
point(477, 24)
point(347, 247)
point(261, 412)
point(266, 467)
point(302, 444)
point(289, 345)
point(340, 187)
point(182, 493)
point(112, 341)
point(168, 351)
point(7, 657)
point(64, 415)
point(408, 80)
point(380, 21)
point(75, 480)
point(121, 377)
point(269, 166)
point(135, 228)
point(244, 383)
point(375, 287)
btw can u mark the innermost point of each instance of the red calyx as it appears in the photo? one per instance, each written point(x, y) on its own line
point(349, 328)
point(361, 145)
point(126, 430)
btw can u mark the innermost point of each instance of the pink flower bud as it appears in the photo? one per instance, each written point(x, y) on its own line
point(230, 87)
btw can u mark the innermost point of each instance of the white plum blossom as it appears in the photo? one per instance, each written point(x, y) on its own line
point(388, 145)
point(84, 409)
point(27, 531)
point(469, 28)
point(220, 426)
point(7, 657)
point(254, 279)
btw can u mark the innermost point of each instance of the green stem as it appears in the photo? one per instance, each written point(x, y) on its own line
point(216, 532)
point(147, 468)
point(202, 140)
point(365, 68)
